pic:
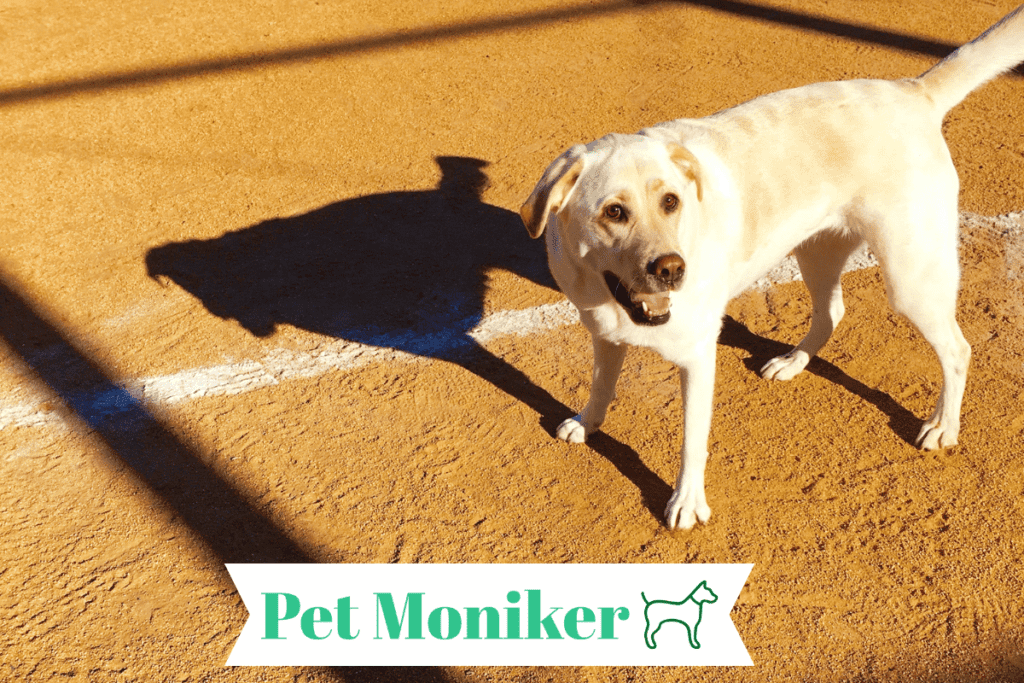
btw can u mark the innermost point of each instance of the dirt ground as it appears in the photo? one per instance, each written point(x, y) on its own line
point(247, 249)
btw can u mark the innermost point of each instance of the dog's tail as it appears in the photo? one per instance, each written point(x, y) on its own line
point(998, 49)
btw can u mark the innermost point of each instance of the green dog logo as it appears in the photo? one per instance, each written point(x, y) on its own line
point(687, 612)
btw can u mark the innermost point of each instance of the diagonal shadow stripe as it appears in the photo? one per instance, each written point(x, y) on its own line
point(119, 80)
point(140, 443)
point(133, 78)
point(861, 33)
point(173, 474)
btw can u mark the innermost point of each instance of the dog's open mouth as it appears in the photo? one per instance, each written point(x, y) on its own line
point(644, 308)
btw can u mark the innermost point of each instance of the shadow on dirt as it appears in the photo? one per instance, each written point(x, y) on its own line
point(761, 349)
point(403, 270)
point(184, 487)
point(408, 271)
point(399, 270)
point(768, 13)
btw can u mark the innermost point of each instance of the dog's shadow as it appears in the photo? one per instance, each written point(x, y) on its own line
point(400, 270)
point(408, 271)
point(403, 270)
point(761, 349)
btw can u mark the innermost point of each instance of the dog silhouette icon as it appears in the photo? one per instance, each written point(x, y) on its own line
point(687, 612)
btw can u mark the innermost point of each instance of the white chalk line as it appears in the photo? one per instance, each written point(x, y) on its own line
point(276, 367)
point(281, 365)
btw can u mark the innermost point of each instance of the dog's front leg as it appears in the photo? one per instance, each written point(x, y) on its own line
point(688, 504)
point(608, 360)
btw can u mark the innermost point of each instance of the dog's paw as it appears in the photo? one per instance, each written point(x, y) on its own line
point(686, 507)
point(572, 430)
point(935, 434)
point(787, 366)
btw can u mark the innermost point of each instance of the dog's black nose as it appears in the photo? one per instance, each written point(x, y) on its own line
point(667, 268)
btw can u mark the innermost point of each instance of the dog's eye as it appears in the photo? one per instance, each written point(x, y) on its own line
point(615, 212)
point(669, 203)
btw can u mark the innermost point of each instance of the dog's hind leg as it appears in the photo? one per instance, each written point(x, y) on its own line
point(821, 260)
point(608, 359)
point(922, 280)
point(941, 330)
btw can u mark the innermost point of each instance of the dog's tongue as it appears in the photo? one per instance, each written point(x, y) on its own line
point(653, 305)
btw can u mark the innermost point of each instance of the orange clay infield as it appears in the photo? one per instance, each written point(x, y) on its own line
point(282, 224)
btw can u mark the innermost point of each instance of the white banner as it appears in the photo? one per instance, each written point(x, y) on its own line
point(489, 614)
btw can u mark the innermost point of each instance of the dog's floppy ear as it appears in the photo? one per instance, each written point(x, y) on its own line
point(688, 164)
point(552, 189)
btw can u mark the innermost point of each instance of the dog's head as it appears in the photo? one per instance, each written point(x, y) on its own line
point(613, 211)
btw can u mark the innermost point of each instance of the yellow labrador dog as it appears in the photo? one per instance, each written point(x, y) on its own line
point(650, 235)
